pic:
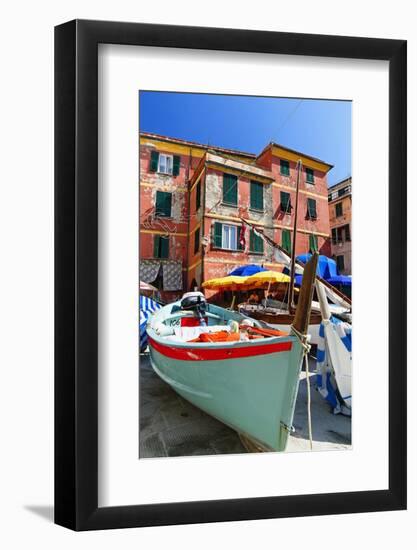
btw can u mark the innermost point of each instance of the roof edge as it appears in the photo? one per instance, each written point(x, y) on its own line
point(197, 144)
point(274, 143)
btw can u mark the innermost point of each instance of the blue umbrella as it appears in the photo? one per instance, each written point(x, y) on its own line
point(326, 267)
point(247, 270)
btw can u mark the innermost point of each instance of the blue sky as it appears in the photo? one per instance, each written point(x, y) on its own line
point(321, 128)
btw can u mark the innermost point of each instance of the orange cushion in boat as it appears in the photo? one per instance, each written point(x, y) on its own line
point(265, 331)
point(221, 336)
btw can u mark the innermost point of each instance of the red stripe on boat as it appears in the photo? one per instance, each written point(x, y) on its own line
point(208, 354)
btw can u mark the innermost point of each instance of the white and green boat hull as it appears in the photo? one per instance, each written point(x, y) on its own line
point(250, 386)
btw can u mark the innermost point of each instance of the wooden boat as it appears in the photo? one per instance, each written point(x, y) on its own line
point(281, 319)
point(248, 381)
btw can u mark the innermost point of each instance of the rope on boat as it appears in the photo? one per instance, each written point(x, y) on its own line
point(310, 431)
point(306, 349)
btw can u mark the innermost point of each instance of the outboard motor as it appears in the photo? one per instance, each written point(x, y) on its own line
point(197, 303)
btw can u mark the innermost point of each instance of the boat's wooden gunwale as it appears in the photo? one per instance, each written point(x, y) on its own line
point(282, 319)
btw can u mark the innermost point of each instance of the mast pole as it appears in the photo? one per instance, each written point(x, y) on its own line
point(291, 304)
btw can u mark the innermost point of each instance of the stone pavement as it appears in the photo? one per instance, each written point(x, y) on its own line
point(170, 426)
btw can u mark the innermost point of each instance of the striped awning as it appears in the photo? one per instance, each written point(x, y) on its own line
point(147, 307)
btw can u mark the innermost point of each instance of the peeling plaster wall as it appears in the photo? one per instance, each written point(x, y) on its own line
point(218, 263)
point(208, 262)
point(175, 227)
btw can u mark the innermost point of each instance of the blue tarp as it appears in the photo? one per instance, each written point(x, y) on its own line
point(337, 280)
point(326, 267)
point(247, 270)
point(340, 280)
point(298, 279)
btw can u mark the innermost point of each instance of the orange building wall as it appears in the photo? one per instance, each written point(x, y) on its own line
point(208, 262)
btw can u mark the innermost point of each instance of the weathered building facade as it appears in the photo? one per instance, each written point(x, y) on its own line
point(193, 199)
point(340, 215)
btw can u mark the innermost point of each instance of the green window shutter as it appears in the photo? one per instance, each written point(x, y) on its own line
point(256, 243)
point(311, 209)
point(164, 247)
point(256, 195)
point(161, 247)
point(176, 165)
point(286, 240)
point(260, 244)
point(313, 242)
point(284, 167)
point(217, 235)
point(309, 175)
point(154, 161)
point(286, 202)
point(163, 204)
point(230, 189)
point(156, 240)
point(197, 241)
point(198, 196)
point(251, 240)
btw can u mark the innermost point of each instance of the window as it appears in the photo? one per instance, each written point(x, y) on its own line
point(313, 243)
point(197, 241)
point(341, 192)
point(230, 189)
point(309, 175)
point(163, 204)
point(256, 195)
point(337, 234)
point(340, 262)
point(286, 240)
point(347, 232)
point(229, 237)
point(285, 202)
point(284, 167)
point(226, 236)
point(339, 209)
point(311, 209)
point(256, 243)
point(165, 164)
point(161, 246)
point(198, 196)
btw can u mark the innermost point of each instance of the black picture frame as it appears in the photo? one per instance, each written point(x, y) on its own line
point(76, 271)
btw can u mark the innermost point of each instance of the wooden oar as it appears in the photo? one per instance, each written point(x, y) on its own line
point(302, 314)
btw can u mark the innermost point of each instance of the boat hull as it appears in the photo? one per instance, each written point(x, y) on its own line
point(250, 387)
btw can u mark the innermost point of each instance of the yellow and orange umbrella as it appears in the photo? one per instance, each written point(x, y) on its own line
point(260, 280)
